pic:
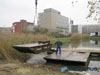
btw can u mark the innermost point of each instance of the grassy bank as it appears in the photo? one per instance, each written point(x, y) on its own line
point(66, 39)
point(83, 37)
point(7, 40)
point(74, 38)
point(95, 38)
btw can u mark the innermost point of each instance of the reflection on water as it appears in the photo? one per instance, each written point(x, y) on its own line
point(91, 44)
point(37, 59)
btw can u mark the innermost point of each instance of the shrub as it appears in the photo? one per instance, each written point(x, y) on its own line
point(43, 30)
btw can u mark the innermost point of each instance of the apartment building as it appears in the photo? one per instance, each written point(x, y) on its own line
point(52, 20)
point(22, 26)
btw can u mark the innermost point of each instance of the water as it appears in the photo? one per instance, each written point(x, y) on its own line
point(37, 59)
point(90, 44)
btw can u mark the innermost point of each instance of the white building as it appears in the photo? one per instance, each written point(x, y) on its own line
point(53, 21)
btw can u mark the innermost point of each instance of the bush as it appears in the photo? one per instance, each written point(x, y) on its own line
point(43, 30)
point(53, 34)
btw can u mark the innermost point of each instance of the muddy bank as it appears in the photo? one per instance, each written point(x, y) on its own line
point(7, 68)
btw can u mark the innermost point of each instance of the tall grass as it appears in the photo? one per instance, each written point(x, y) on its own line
point(80, 37)
point(7, 40)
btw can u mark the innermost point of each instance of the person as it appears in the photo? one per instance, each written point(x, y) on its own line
point(58, 43)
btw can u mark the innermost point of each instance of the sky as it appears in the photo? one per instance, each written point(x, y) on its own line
point(15, 10)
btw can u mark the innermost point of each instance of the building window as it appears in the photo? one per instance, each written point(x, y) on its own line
point(42, 23)
point(48, 10)
point(41, 14)
point(15, 24)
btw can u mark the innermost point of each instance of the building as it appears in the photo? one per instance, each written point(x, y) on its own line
point(22, 26)
point(74, 29)
point(5, 29)
point(92, 30)
point(53, 21)
point(71, 22)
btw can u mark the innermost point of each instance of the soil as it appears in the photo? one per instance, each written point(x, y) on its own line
point(8, 68)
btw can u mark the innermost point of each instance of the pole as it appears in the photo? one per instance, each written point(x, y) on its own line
point(35, 16)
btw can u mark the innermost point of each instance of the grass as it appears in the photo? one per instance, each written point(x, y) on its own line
point(34, 69)
point(75, 38)
point(7, 40)
point(84, 37)
point(95, 38)
point(31, 69)
point(66, 39)
point(80, 37)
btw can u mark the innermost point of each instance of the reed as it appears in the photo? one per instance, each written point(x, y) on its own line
point(80, 37)
point(7, 40)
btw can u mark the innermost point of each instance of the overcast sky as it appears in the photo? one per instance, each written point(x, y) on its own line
point(15, 10)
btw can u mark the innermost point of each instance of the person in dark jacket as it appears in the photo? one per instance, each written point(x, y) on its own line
point(58, 43)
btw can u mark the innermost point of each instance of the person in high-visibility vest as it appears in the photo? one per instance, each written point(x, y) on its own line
point(58, 43)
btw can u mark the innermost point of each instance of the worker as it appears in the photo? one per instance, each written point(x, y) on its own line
point(58, 43)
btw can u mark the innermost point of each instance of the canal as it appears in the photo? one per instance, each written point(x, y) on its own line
point(94, 62)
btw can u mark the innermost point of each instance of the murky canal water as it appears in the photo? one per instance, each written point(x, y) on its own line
point(94, 63)
point(37, 59)
point(90, 44)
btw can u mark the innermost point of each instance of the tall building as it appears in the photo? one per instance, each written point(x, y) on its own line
point(71, 22)
point(22, 26)
point(53, 21)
